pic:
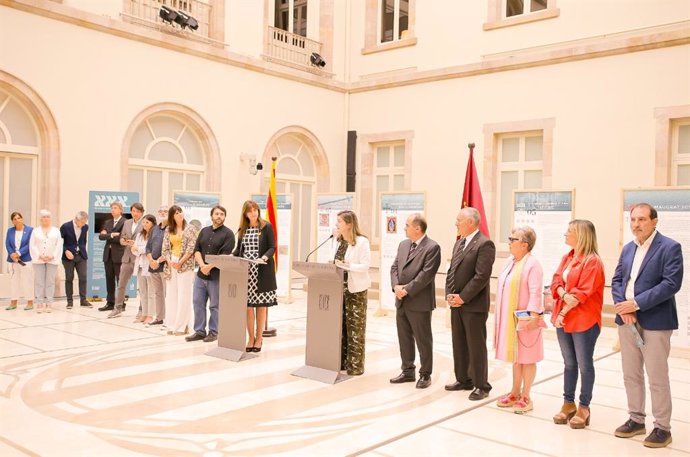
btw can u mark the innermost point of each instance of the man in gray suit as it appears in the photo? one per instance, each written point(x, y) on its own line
point(130, 230)
point(412, 278)
point(467, 293)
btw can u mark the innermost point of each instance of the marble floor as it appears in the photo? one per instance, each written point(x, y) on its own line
point(73, 383)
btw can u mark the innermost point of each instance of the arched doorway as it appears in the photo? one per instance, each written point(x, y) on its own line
point(301, 170)
point(29, 154)
point(169, 147)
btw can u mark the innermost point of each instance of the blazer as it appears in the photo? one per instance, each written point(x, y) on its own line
point(188, 241)
point(267, 247)
point(70, 241)
point(531, 297)
point(128, 234)
point(359, 258)
point(473, 273)
point(51, 245)
point(154, 246)
point(24, 251)
point(586, 281)
point(659, 279)
point(416, 271)
point(113, 250)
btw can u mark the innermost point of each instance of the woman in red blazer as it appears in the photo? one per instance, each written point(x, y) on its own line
point(578, 290)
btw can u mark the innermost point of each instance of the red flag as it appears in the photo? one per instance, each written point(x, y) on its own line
point(271, 206)
point(472, 193)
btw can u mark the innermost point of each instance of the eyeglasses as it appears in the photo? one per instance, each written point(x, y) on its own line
point(512, 240)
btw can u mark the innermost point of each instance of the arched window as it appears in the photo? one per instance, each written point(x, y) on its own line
point(166, 152)
point(19, 153)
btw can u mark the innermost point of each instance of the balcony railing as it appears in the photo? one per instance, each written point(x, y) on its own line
point(294, 50)
point(146, 12)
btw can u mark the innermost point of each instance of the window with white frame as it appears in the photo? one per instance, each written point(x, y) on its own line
point(165, 155)
point(518, 7)
point(394, 21)
point(389, 175)
point(520, 166)
point(680, 153)
point(291, 16)
point(19, 153)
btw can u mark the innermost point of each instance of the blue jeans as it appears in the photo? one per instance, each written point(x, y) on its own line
point(205, 290)
point(578, 354)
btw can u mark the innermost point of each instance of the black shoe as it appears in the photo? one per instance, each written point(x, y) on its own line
point(478, 394)
point(658, 438)
point(424, 381)
point(69, 305)
point(156, 322)
point(401, 378)
point(86, 304)
point(630, 429)
point(258, 349)
point(459, 386)
point(107, 307)
point(210, 338)
point(195, 337)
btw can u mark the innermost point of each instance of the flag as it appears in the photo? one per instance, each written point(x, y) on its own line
point(271, 206)
point(472, 193)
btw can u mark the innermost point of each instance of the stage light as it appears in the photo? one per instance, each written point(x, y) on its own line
point(185, 20)
point(317, 60)
point(167, 15)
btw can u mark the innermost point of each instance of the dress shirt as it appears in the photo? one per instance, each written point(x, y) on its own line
point(640, 254)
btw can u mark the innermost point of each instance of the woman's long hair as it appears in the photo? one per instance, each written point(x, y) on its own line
point(172, 225)
point(152, 219)
point(350, 218)
point(586, 235)
point(244, 220)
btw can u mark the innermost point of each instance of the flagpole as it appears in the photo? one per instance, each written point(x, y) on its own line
point(271, 200)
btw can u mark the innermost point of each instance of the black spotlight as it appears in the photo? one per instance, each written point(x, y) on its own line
point(167, 15)
point(185, 20)
point(317, 60)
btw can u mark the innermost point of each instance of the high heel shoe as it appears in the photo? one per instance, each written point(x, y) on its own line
point(581, 418)
point(567, 411)
point(250, 348)
point(258, 349)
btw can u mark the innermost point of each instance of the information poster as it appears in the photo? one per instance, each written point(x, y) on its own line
point(99, 213)
point(328, 206)
point(673, 208)
point(284, 206)
point(197, 206)
point(548, 213)
point(395, 209)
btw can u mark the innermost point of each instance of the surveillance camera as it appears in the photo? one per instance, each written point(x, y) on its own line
point(259, 166)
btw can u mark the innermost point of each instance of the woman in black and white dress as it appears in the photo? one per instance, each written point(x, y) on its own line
point(256, 240)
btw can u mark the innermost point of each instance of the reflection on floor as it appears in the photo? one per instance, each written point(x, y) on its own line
point(76, 383)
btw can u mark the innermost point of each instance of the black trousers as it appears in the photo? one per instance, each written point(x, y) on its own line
point(79, 264)
point(112, 275)
point(415, 327)
point(469, 348)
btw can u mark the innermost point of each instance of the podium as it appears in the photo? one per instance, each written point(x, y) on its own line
point(324, 322)
point(232, 308)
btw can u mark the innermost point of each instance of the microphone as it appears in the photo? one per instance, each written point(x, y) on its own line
point(317, 247)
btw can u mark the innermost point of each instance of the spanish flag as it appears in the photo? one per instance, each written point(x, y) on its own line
point(271, 206)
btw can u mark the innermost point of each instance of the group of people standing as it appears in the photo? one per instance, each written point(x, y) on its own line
point(648, 275)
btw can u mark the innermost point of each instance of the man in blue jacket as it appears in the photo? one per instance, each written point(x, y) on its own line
point(74, 234)
point(647, 278)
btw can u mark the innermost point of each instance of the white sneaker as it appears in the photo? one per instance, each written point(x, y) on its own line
point(49, 309)
point(39, 309)
point(115, 313)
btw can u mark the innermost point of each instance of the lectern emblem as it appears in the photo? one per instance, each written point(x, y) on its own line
point(232, 290)
point(323, 301)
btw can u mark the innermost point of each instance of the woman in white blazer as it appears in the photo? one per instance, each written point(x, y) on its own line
point(45, 247)
point(354, 254)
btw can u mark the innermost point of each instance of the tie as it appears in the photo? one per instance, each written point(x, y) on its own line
point(412, 248)
point(450, 277)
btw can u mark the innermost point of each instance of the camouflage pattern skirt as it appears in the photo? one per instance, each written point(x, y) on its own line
point(354, 332)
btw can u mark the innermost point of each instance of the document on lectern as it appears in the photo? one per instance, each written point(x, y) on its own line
point(258, 261)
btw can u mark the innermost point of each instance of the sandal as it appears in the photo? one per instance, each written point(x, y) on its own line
point(567, 411)
point(506, 401)
point(523, 405)
point(11, 307)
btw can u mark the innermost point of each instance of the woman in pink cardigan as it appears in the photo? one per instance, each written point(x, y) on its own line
point(519, 340)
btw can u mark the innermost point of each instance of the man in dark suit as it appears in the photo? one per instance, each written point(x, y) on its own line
point(112, 252)
point(74, 235)
point(647, 278)
point(468, 295)
point(412, 278)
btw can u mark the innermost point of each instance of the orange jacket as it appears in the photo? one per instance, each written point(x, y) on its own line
point(586, 282)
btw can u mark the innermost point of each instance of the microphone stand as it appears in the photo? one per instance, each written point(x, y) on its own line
point(317, 247)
